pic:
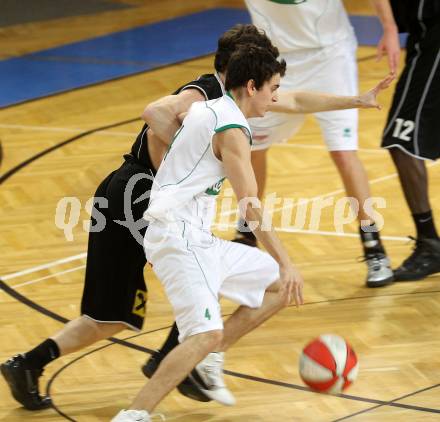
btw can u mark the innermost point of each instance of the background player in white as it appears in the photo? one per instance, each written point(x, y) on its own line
point(194, 266)
point(318, 43)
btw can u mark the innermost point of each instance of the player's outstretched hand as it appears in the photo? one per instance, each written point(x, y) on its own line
point(291, 285)
point(369, 99)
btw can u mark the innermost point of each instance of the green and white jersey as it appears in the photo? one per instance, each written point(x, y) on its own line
point(301, 24)
point(190, 176)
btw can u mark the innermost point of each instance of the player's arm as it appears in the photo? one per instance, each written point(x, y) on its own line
point(163, 115)
point(232, 148)
point(389, 43)
point(313, 102)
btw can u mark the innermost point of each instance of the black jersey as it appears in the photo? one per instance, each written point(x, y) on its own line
point(414, 16)
point(211, 88)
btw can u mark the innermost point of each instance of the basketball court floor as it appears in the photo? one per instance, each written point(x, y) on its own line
point(71, 96)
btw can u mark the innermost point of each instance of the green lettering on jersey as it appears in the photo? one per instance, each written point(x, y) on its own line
point(288, 1)
point(216, 188)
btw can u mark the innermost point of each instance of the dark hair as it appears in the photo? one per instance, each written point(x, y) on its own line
point(240, 34)
point(252, 62)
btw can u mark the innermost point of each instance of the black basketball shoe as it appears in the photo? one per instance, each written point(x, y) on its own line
point(23, 383)
point(424, 261)
point(187, 387)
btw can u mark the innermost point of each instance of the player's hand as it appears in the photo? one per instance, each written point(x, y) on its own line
point(291, 285)
point(369, 99)
point(390, 45)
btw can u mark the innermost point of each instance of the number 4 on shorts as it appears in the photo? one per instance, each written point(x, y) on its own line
point(207, 314)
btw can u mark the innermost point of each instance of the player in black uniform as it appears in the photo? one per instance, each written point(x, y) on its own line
point(412, 130)
point(115, 293)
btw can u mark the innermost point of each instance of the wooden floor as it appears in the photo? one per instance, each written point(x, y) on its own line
point(395, 330)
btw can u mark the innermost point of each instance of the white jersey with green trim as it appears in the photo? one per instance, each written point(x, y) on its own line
point(301, 24)
point(190, 176)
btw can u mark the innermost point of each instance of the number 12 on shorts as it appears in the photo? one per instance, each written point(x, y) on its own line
point(403, 129)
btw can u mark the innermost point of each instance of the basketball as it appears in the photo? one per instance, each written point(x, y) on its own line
point(328, 364)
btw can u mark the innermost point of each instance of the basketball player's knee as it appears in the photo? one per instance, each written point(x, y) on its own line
point(345, 159)
point(215, 338)
point(210, 340)
point(102, 329)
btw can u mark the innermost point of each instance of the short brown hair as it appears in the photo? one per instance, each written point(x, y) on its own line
point(236, 36)
point(252, 62)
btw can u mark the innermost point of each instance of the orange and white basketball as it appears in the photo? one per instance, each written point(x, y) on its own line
point(328, 364)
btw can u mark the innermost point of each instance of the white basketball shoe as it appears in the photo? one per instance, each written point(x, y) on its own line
point(132, 416)
point(208, 375)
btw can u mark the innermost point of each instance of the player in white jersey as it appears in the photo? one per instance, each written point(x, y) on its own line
point(318, 43)
point(194, 266)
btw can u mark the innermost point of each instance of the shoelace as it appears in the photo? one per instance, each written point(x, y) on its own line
point(214, 370)
point(374, 262)
point(418, 250)
point(372, 258)
point(14, 361)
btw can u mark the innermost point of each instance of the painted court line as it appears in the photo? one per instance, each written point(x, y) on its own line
point(320, 232)
point(323, 147)
point(48, 276)
point(44, 266)
point(67, 130)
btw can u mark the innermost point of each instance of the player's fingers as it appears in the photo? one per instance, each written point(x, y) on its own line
point(300, 294)
point(390, 79)
point(385, 83)
point(297, 294)
point(290, 291)
point(286, 292)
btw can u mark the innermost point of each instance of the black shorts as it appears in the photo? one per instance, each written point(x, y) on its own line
point(115, 289)
point(414, 119)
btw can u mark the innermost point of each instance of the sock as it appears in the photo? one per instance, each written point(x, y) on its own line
point(42, 354)
point(171, 342)
point(425, 227)
point(370, 238)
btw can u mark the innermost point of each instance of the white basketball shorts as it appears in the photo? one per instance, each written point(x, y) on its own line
point(196, 269)
point(330, 70)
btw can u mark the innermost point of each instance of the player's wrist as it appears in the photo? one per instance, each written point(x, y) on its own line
point(389, 27)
